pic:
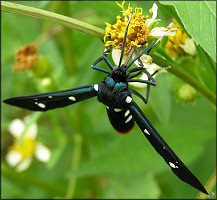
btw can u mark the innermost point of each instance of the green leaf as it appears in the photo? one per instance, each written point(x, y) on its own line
point(133, 187)
point(10, 185)
point(160, 98)
point(199, 20)
point(56, 155)
point(53, 17)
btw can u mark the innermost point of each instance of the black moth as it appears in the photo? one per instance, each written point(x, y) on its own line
point(115, 94)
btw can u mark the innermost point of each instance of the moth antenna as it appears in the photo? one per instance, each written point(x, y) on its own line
point(145, 50)
point(125, 38)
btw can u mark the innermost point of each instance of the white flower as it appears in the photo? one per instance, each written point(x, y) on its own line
point(180, 45)
point(151, 69)
point(158, 31)
point(150, 22)
point(189, 46)
point(21, 155)
point(116, 54)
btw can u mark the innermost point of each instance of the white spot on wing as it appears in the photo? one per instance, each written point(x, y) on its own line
point(50, 97)
point(128, 99)
point(117, 109)
point(107, 107)
point(126, 113)
point(128, 119)
point(172, 165)
point(41, 105)
point(72, 98)
point(96, 87)
point(146, 131)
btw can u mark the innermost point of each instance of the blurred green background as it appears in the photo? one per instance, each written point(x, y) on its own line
point(88, 157)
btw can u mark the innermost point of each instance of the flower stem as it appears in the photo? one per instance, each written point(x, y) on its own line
point(163, 62)
point(53, 17)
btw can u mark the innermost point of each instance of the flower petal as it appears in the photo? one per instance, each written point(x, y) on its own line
point(116, 54)
point(42, 153)
point(32, 130)
point(146, 61)
point(151, 69)
point(160, 31)
point(189, 46)
point(24, 164)
point(149, 22)
point(13, 158)
point(16, 127)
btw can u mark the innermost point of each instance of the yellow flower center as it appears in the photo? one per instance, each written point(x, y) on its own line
point(26, 149)
point(137, 31)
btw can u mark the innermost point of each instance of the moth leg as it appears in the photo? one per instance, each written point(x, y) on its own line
point(104, 57)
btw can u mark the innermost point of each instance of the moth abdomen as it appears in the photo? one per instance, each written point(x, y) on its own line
point(121, 120)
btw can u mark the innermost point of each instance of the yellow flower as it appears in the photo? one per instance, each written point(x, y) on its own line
point(140, 32)
point(180, 44)
point(21, 155)
point(140, 29)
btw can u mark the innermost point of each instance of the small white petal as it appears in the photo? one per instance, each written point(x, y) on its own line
point(16, 127)
point(116, 54)
point(149, 22)
point(162, 31)
point(13, 158)
point(151, 69)
point(158, 31)
point(24, 164)
point(189, 46)
point(42, 153)
point(146, 61)
point(32, 130)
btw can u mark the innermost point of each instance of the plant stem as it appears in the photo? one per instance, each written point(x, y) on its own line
point(53, 17)
point(159, 60)
point(209, 186)
point(68, 41)
point(75, 163)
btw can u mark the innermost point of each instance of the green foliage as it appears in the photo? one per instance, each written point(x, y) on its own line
point(199, 20)
point(89, 159)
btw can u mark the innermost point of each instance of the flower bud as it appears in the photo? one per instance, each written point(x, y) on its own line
point(187, 93)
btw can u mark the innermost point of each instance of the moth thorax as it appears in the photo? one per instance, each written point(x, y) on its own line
point(120, 74)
